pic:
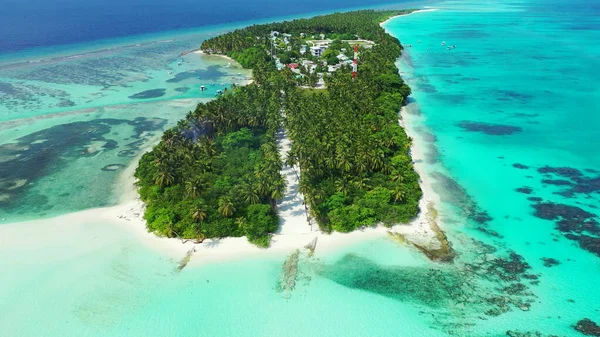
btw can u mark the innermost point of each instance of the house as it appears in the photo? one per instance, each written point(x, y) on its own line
point(302, 35)
point(342, 57)
point(292, 65)
point(322, 36)
point(333, 68)
point(303, 49)
point(274, 33)
point(287, 35)
point(317, 50)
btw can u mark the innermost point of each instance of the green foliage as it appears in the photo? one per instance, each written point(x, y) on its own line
point(237, 139)
point(260, 223)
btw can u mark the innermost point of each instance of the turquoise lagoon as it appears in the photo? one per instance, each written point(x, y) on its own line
point(516, 99)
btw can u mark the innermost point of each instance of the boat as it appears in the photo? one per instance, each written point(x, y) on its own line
point(178, 63)
point(443, 43)
point(448, 48)
point(454, 46)
point(202, 88)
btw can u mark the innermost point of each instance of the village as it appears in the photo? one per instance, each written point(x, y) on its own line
point(312, 57)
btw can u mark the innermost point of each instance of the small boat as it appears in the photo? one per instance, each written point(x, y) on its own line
point(202, 88)
point(219, 92)
point(170, 72)
point(454, 46)
point(448, 48)
point(178, 63)
point(443, 43)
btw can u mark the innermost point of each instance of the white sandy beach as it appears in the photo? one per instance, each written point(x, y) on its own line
point(417, 11)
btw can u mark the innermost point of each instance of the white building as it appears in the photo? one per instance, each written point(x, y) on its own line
point(317, 50)
point(342, 57)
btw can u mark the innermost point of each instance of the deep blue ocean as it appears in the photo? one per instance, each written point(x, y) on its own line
point(38, 23)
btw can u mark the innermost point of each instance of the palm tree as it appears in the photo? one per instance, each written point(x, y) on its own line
point(192, 187)
point(342, 185)
point(226, 207)
point(164, 178)
point(276, 194)
point(198, 215)
point(250, 195)
point(241, 223)
point(360, 183)
point(398, 193)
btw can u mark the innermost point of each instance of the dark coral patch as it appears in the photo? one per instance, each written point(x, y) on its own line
point(112, 167)
point(211, 73)
point(557, 182)
point(588, 327)
point(550, 262)
point(520, 166)
point(489, 232)
point(575, 223)
point(524, 190)
point(481, 217)
point(182, 89)
point(152, 93)
point(567, 172)
point(574, 181)
point(489, 128)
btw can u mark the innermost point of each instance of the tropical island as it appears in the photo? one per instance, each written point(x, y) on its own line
point(218, 172)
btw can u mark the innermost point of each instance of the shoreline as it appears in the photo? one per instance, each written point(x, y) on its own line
point(414, 12)
point(201, 52)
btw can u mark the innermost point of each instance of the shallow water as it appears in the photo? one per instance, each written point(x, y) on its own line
point(71, 123)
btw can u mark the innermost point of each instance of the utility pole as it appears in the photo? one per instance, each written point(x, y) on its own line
point(355, 63)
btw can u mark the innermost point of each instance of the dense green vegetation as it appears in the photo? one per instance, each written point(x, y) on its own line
point(354, 157)
point(225, 182)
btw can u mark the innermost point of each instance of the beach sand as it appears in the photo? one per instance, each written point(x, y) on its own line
point(417, 11)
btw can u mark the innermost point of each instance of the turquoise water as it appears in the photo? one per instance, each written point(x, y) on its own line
point(517, 95)
point(515, 99)
point(68, 123)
